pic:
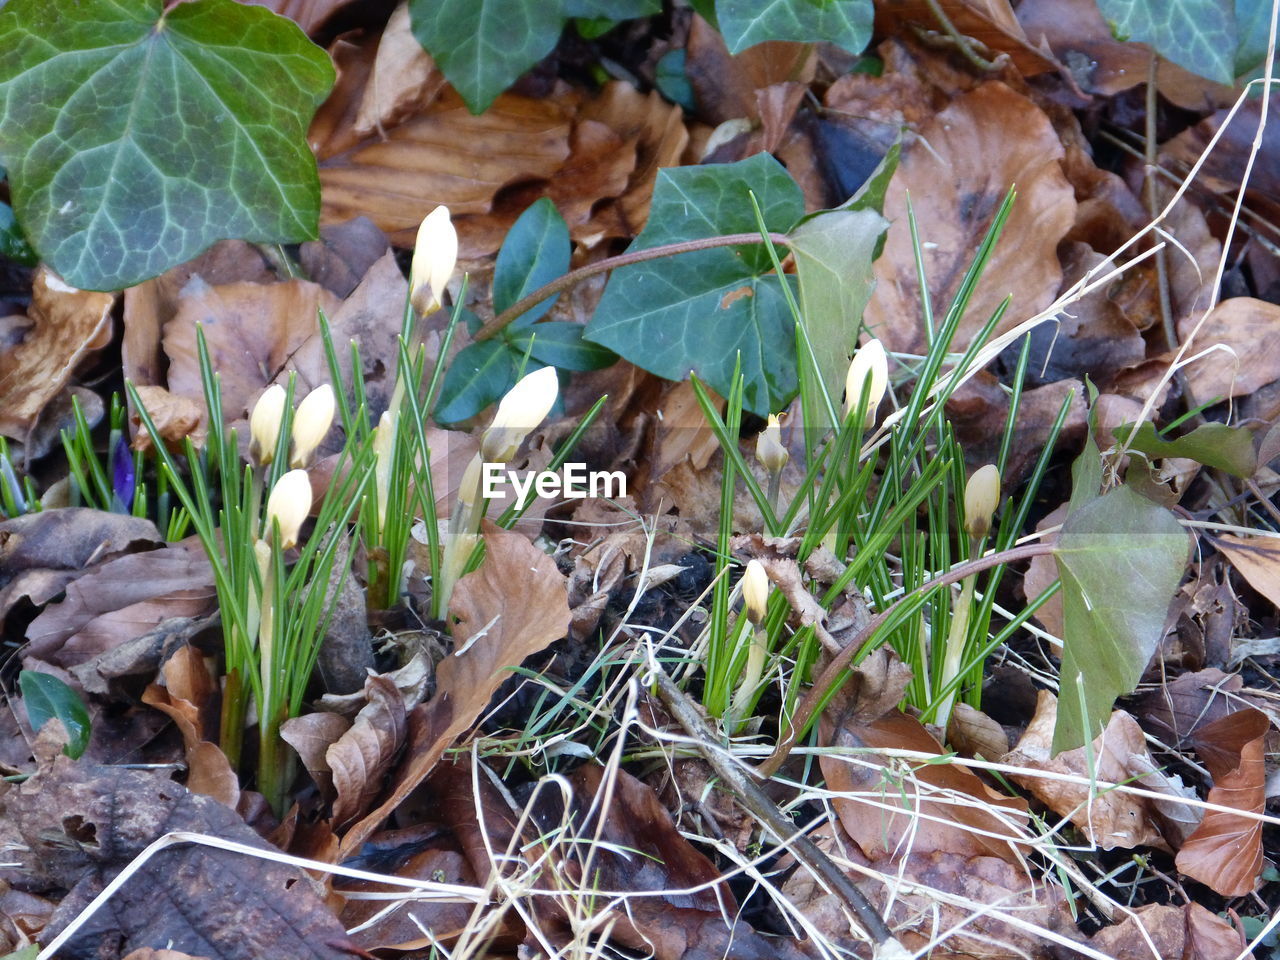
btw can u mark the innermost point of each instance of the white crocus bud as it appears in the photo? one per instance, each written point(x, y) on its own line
point(755, 591)
point(311, 423)
point(469, 488)
point(870, 365)
point(264, 423)
point(384, 444)
point(981, 497)
point(770, 452)
point(435, 254)
point(288, 505)
point(524, 407)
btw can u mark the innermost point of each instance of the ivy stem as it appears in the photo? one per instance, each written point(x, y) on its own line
point(574, 277)
point(817, 693)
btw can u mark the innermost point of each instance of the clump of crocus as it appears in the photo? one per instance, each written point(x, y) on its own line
point(311, 422)
point(435, 254)
point(868, 375)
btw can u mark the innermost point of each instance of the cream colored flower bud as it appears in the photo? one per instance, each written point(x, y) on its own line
point(264, 423)
point(524, 407)
point(288, 505)
point(469, 489)
point(755, 591)
point(981, 497)
point(870, 364)
point(435, 254)
point(770, 452)
point(311, 423)
point(384, 444)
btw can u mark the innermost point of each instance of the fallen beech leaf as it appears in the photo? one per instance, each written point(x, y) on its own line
point(1251, 330)
point(412, 925)
point(122, 599)
point(78, 825)
point(1225, 853)
point(990, 22)
point(403, 79)
point(40, 553)
point(66, 324)
point(1209, 937)
point(975, 734)
point(307, 14)
point(898, 810)
point(146, 953)
point(513, 606)
point(1257, 559)
point(985, 141)
point(345, 252)
point(311, 735)
point(362, 757)
point(1180, 707)
point(176, 416)
point(1111, 818)
point(252, 330)
point(189, 698)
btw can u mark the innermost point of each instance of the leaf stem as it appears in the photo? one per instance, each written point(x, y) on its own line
point(574, 277)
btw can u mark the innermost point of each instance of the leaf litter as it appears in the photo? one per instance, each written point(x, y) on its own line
point(967, 847)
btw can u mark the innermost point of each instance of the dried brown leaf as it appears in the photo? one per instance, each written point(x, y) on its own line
point(513, 606)
point(122, 599)
point(80, 824)
point(1111, 818)
point(1225, 853)
point(1158, 930)
point(990, 22)
point(311, 735)
point(957, 175)
point(362, 757)
point(176, 417)
point(189, 698)
point(66, 325)
point(404, 78)
point(1250, 329)
point(1257, 559)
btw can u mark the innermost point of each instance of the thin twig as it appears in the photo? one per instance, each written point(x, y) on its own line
point(574, 277)
point(963, 43)
point(756, 801)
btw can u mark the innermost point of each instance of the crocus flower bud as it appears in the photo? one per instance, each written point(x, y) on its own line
point(469, 489)
point(524, 407)
point(264, 423)
point(770, 452)
point(434, 256)
point(384, 441)
point(869, 365)
point(981, 497)
point(755, 591)
point(311, 423)
point(288, 505)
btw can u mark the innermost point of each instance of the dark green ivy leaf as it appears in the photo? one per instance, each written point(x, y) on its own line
point(48, 698)
point(846, 23)
point(137, 137)
point(535, 252)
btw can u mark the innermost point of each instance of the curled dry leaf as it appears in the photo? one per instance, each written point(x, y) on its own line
point(1257, 559)
point(990, 22)
point(362, 757)
point(189, 698)
point(40, 553)
point(311, 735)
point(76, 826)
point(1249, 329)
point(175, 415)
point(1225, 852)
point(957, 175)
point(65, 325)
point(122, 599)
point(252, 330)
point(403, 78)
point(1111, 818)
point(513, 606)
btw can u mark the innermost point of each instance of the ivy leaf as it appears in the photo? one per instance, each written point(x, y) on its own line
point(699, 311)
point(834, 251)
point(484, 46)
point(1121, 558)
point(611, 9)
point(535, 252)
point(1197, 34)
point(48, 698)
point(135, 137)
point(13, 244)
point(1253, 26)
point(1213, 444)
point(846, 23)
point(478, 376)
point(559, 343)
